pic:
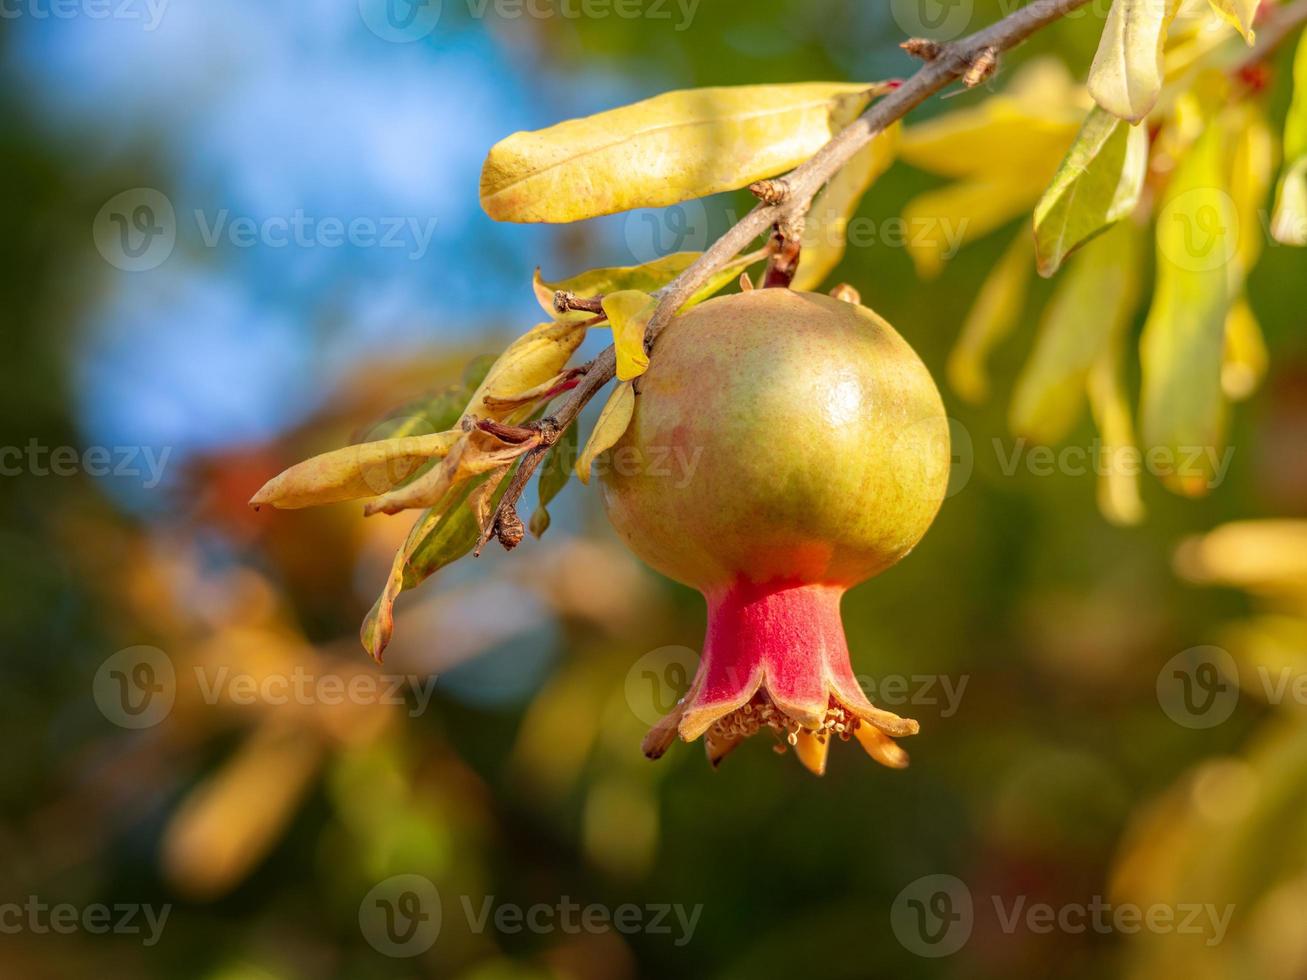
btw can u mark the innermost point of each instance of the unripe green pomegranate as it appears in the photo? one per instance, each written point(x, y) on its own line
point(820, 457)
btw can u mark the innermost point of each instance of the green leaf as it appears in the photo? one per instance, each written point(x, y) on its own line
point(1127, 73)
point(1181, 351)
point(671, 148)
point(610, 427)
point(629, 312)
point(1118, 480)
point(555, 471)
point(1098, 184)
point(1092, 305)
point(992, 317)
point(439, 537)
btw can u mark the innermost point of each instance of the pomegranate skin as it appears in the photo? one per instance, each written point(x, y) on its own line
point(800, 439)
point(784, 446)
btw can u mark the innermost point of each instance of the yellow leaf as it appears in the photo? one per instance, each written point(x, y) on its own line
point(671, 148)
point(940, 222)
point(1245, 360)
point(1181, 350)
point(475, 453)
point(1289, 224)
point(358, 471)
point(1091, 307)
point(1098, 183)
point(1126, 76)
point(992, 317)
point(1241, 14)
point(530, 361)
point(1252, 168)
point(610, 427)
point(1118, 480)
point(1025, 128)
point(648, 277)
point(828, 218)
point(629, 311)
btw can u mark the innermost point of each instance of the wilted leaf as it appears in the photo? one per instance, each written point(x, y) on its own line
point(671, 148)
point(629, 312)
point(828, 218)
point(648, 278)
point(530, 361)
point(1183, 409)
point(1239, 13)
point(612, 423)
point(362, 470)
point(992, 317)
point(555, 471)
point(475, 453)
point(1091, 306)
point(1245, 361)
point(1098, 184)
point(439, 537)
point(1126, 76)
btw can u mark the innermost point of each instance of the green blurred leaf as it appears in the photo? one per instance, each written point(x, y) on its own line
point(555, 471)
point(1182, 405)
point(991, 318)
point(1289, 225)
point(1092, 305)
point(1098, 183)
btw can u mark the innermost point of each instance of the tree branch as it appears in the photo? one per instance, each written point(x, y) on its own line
point(965, 58)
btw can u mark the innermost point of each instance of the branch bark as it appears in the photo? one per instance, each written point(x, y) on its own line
point(950, 62)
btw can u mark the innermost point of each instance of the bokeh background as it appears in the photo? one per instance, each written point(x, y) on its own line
point(1065, 771)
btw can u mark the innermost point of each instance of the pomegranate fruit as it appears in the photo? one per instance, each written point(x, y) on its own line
point(820, 457)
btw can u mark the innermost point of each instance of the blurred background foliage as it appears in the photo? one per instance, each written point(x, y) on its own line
point(1059, 777)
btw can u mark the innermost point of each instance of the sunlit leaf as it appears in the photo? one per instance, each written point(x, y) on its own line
point(1092, 305)
point(475, 453)
point(1098, 183)
point(1252, 169)
point(1182, 348)
point(1245, 361)
point(824, 235)
point(362, 470)
point(1126, 76)
point(530, 361)
point(992, 317)
point(671, 148)
point(1239, 13)
point(555, 471)
point(628, 313)
point(649, 277)
point(612, 423)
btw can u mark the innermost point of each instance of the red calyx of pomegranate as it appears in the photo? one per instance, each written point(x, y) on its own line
point(820, 457)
